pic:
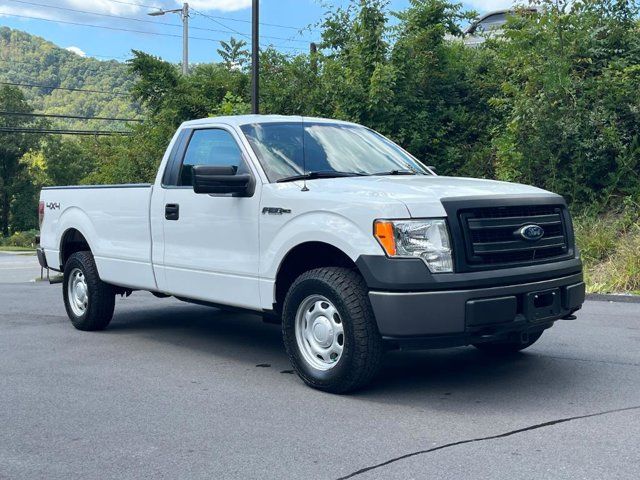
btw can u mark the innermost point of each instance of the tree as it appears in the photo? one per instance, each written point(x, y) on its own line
point(553, 102)
point(13, 146)
point(234, 55)
point(67, 163)
point(569, 99)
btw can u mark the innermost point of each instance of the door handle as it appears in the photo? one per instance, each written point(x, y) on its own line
point(172, 211)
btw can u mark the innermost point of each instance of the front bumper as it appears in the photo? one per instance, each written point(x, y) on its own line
point(445, 318)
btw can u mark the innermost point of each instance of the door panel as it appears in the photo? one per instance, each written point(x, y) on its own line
point(211, 241)
point(211, 251)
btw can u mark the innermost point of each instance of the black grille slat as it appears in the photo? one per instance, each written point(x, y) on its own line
point(497, 235)
point(496, 247)
point(513, 222)
point(492, 238)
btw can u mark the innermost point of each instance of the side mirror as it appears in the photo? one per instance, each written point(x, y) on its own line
point(207, 180)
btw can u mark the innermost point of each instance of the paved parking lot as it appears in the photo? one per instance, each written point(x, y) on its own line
point(18, 267)
point(173, 390)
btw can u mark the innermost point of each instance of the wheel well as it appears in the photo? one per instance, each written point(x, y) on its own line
point(72, 241)
point(305, 257)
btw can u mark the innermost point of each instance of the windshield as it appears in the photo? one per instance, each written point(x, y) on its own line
point(325, 147)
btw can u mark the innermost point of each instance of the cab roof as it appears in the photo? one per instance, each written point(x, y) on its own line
point(239, 120)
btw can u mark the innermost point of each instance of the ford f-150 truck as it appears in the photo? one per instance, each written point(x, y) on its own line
point(328, 227)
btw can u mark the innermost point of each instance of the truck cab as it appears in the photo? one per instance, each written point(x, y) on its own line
point(329, 228)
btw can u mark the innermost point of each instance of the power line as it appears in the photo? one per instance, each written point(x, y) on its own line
point(213, 19)
point(136, 4)
point(141, 20)
point(75, 117)
point(233, 30)
point(143, 32)
point(49, 131)
point(35, 85)
point(275, 25)
point(212, 16)
point(60, 63)
point(93, 13)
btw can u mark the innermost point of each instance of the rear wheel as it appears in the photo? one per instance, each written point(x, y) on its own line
point(88, 300)
point(508, 347)
point(329, 330)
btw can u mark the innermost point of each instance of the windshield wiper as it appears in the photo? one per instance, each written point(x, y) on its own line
point(396, 172)
point(319, 174)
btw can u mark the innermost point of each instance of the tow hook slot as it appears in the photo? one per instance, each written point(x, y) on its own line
point(524, 337)
point(543, 305)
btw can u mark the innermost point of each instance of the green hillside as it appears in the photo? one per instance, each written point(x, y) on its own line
point(26, 58)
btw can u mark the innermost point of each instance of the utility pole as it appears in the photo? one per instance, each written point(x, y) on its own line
point(255, 57)
point(313, 54)
point(184, 14)
point(185, 38)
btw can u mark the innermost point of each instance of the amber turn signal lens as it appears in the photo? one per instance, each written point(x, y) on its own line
point(383, 231)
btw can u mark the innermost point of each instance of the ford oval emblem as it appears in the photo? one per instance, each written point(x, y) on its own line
point(531, 232)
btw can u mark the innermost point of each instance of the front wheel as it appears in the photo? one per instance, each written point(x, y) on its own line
point(509, 347)
point(329, 330)
point(88, 300)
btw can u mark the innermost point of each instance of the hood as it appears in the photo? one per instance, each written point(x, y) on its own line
point(421, 194)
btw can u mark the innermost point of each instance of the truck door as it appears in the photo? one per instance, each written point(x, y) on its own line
point(210, 241)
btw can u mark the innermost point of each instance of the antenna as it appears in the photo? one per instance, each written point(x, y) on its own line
point(304, 158)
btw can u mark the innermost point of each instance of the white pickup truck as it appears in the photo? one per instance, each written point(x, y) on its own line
point(328, 227)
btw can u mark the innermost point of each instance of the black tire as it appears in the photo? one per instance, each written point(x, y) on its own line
point(101, 296)
point(362, 343)
point(509, 347)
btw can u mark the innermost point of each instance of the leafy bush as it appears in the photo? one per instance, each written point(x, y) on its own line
point(20, 239)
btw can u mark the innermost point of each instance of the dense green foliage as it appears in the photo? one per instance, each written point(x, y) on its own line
point(12, 147)
point(28, 59)
point(554, 101)
point(570, 101)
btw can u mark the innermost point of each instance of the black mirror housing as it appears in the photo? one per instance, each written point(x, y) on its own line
point(221, 180)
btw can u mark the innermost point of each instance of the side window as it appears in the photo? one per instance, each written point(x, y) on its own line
point(212, 147)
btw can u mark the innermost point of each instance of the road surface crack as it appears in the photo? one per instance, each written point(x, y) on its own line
point(482, 439)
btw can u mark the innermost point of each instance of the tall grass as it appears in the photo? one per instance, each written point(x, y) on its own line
point(610, 247)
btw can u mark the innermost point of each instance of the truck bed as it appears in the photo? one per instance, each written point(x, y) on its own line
point(114, 219)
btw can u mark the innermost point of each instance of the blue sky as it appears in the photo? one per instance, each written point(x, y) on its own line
point(211, 20)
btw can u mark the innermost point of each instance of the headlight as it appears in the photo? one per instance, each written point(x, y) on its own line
point(427, 239)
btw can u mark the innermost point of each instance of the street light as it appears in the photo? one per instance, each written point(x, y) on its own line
point(184, 13)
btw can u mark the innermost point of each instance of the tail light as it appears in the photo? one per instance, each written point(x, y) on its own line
point(40, 213)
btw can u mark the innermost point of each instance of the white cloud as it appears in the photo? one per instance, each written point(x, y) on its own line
point(73, 10)
point(77, 50)
point(100, 6)
point(10, 10)
point(222, 5)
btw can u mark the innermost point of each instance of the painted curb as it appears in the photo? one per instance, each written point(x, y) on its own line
point(602, 297)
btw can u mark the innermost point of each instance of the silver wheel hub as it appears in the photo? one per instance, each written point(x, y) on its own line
point(78, 292)
point(319, 332)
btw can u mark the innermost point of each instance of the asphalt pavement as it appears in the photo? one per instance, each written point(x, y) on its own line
point(18, 267)
point(178, 391)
